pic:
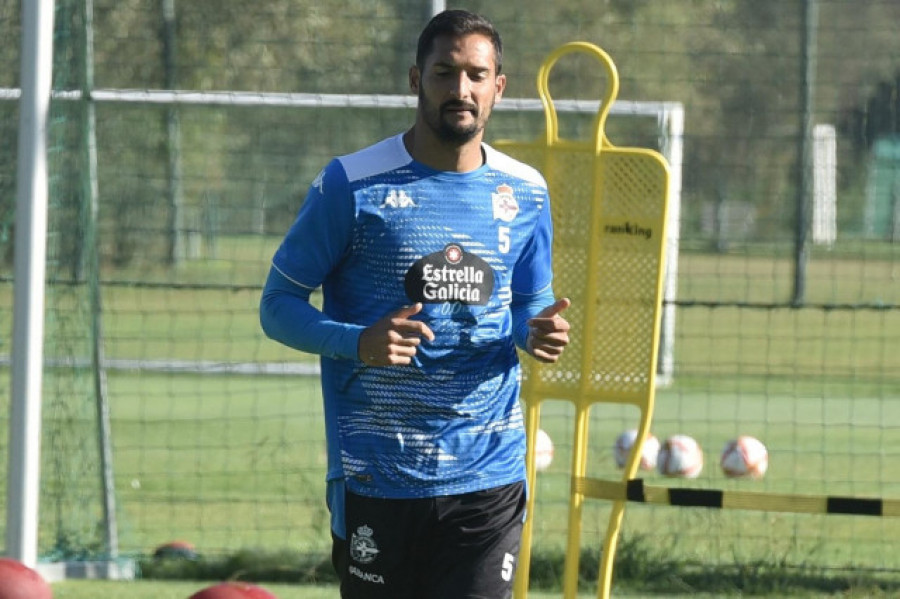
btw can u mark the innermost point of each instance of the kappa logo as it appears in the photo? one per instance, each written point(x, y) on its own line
point(397, 199)
point(505, 205)
point(363, 548)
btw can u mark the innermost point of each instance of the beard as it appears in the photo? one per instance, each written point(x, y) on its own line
point(447, 131)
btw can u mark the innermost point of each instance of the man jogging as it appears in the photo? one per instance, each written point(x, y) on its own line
point(432, 250)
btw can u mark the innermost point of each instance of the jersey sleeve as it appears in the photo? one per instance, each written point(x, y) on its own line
point(321, 233)
point(532, 277)
point(533, 270)
point(313, 246)
point(524, 308)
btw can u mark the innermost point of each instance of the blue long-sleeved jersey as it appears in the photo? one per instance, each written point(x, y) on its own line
point(379, 231)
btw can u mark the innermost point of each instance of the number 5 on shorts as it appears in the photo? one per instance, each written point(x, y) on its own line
point(508, 568)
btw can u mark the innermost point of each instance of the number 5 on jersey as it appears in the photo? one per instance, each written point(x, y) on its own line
point(503, 239)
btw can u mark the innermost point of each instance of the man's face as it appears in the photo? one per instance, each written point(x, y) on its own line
point(458, 87)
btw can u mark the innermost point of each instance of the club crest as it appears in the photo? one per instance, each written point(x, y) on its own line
point(363, 548)
point(505, 205)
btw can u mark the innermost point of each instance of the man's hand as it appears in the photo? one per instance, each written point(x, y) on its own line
point(392, 341)
point(548, 332)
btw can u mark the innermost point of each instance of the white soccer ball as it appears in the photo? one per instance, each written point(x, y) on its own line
point(543, 450)
point(649, 451)
point(680, 456)
point(746, 457)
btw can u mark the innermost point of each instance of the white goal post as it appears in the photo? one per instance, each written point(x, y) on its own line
point(26, 372)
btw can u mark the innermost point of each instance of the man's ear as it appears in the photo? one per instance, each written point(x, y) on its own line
point(414, 79)
point(501, 85)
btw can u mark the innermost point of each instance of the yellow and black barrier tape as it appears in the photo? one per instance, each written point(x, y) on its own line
point(637, 491)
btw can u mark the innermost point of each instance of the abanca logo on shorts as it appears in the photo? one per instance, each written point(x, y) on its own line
point(451, 275)
point(367, 576)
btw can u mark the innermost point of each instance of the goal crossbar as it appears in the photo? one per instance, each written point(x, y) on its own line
point(312, 100)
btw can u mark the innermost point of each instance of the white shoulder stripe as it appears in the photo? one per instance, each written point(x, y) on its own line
point(295, 282)
point(538, 292)
point(510, 165)
point(386, 155)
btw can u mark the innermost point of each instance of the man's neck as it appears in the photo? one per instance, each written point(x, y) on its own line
point(439, 155)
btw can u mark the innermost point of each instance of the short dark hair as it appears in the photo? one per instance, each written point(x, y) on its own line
point(457, 23)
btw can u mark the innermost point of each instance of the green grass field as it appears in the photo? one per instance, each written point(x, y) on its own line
point(232, 461)
point(239, 462)
point(183, 590)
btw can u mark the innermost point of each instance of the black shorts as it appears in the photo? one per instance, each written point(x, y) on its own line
point(452, 547)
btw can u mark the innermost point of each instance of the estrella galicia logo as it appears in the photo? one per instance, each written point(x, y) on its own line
point(451, 275)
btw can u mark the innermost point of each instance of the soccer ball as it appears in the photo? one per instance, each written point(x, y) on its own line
point(745, 457)
point(175, 550)
point(543, 450)
point(18, 581)
point(649, 451)
point(680, 456)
